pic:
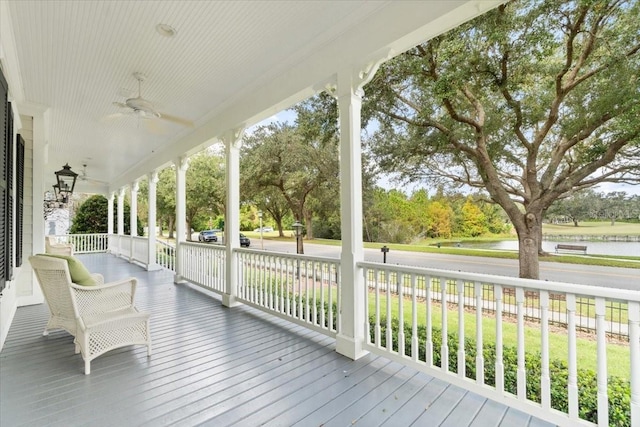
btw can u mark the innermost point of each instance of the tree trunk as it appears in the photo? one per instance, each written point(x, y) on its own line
point(575, 222)
point(171, 228)
point(308, 218)
point(529, 239)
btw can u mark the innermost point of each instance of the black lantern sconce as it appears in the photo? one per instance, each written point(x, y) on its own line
point(66, 180)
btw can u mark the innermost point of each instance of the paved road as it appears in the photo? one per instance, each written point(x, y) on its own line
point(611, 277)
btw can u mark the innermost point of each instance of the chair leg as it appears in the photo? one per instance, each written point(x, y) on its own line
point(87, 367)
point(45, 332)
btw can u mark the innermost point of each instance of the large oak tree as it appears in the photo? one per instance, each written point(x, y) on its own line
point(529, 102)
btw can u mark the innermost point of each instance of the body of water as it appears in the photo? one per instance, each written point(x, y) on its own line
point(593, 248)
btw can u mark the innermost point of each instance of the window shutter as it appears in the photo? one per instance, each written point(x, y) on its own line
point(20, 200)
point(4, 135)
point(9, 194)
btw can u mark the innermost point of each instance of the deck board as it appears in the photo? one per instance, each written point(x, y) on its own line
point(217, 366)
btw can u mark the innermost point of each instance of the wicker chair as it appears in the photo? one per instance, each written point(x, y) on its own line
point(51, 246)
point(101, 317)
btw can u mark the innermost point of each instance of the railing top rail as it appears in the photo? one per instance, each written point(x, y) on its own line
point(287, 255)
point(561, 287)
point(200, 245)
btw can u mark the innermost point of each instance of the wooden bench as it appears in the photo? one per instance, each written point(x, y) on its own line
point(581, 248)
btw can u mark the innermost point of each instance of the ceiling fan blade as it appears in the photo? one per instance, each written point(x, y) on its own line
point(154, 126)
point(112, 117)
point(120, 104)
point(175, 119)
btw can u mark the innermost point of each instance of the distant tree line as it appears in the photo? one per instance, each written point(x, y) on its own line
point(589, 205)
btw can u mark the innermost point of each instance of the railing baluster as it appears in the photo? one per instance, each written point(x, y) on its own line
point(497, 292)
point(572, 384)
point(603, 400)
point(400, 281)
point(444, 347)
point(545, 379)
point(387, 281)
point(377, 330)
point(461, 350)
point(429, 340)
point(415, 351)
point(634, 350)
point(479, 335)
point(522, 372)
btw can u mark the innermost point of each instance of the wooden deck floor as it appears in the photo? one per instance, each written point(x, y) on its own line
point(216, 366)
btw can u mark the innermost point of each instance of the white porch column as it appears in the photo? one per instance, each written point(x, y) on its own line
point(352, 326)
point(110, 245)
point(151, 234)
point(133, 218)
point(182, 164)
point(121, 212)
point(133, 214)
point(232, 142)
point(120, 221)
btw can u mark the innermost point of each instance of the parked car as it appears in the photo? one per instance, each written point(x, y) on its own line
point(244, 240)
point(207, 236)
point(264, 230)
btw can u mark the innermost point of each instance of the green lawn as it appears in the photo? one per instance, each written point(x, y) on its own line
point(618, 361)
point(594, 229)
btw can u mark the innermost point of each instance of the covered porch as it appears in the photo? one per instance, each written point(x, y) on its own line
point(217, 366)
point(275, 339)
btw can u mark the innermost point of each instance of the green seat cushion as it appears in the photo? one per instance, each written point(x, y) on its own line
point(78, 272)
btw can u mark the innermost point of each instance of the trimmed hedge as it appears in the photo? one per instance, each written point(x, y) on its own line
point(619, 389)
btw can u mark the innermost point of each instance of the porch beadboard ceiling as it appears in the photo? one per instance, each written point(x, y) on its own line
point(232, 63)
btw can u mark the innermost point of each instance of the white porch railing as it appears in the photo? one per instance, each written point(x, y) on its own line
point(166, 255)
point(410, 312)
point(204, 265)
point(140, 252)
point(301, 288)
point(86, 243)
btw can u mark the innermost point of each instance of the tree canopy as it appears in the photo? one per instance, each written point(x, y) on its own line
point(91, 217)
point(528, 102)
point(294, 161)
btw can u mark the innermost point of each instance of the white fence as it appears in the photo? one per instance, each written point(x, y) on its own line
point(301, 288)
point(86, 243)
point(419, 317)
point(166, 255)
point(204, 265)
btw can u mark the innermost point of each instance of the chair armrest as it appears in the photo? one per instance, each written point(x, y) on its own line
point(99, 278)
point(104, 298)
point(60, 250)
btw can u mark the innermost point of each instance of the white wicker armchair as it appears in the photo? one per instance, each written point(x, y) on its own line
point(51, 246)
point(101, 317)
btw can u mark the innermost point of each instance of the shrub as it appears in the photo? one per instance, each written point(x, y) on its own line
point(619, 389)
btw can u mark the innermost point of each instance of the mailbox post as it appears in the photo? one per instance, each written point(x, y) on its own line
point(384, 251)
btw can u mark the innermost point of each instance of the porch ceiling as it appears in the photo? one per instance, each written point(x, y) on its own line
point(231, 64)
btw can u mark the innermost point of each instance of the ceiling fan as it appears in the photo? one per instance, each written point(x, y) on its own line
point(144, 109)
point(82, 176)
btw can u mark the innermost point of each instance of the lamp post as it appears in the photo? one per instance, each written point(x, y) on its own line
point(261, 241)
point(297, 226)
